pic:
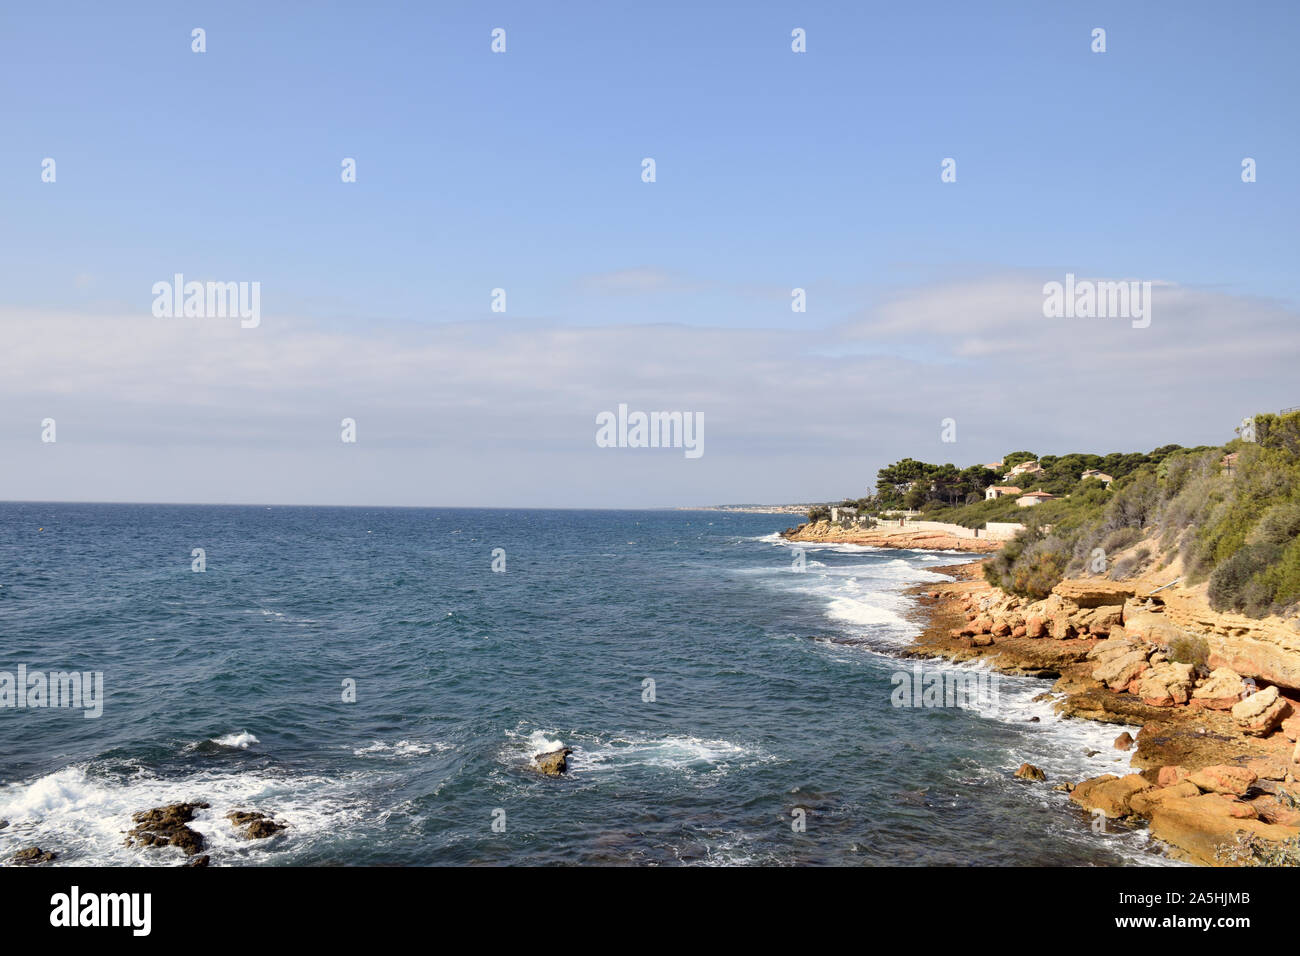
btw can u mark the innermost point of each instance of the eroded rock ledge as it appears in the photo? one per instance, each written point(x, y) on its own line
point(1217, 754)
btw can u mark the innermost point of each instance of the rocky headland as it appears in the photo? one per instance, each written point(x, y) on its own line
point(826, 532)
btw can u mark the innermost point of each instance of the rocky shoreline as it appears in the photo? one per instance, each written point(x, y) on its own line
point(1214, 765)
point(824, 532)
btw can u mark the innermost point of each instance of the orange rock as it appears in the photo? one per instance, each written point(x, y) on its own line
point(1259, 714)
point(1170, 775)
point(1144, 801)
point(1202, 827)
point(1109, 794)
point(1034, 626)
point(1223, 779)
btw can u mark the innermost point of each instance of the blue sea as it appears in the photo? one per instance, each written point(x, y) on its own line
point(768, 735)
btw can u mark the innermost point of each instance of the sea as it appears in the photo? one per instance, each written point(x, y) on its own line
point(380, 680)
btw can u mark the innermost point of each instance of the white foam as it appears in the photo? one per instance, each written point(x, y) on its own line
point(676, 753)
point(403, 748)
point(84, 817)
point(242, 740)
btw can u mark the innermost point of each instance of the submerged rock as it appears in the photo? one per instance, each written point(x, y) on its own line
point(255, 825)
point(167, 826)
point(554, 763)
point(33, 855)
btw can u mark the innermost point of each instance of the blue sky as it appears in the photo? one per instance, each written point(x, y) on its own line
point(522, 171)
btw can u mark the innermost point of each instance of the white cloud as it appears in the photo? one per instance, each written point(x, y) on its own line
point(501, 412)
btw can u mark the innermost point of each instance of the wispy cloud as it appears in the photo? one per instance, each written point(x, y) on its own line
point(503, 412)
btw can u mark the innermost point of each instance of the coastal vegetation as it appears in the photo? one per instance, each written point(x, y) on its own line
point(1229, 515)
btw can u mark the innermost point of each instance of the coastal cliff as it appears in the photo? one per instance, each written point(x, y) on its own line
point(1215, 761)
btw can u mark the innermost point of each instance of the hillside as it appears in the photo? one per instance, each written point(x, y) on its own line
point(1224, 520)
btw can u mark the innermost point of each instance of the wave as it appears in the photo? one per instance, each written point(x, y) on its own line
point(674, 753)
point(242, 740)
point(82, 815)
point(403, 748)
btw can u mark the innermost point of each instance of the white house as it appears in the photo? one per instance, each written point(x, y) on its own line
point(1101, 476)
point(1024, 468)
point(1034, 498)
point(1000, 491)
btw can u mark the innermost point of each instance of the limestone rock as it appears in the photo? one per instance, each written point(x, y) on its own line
point(1220, 691)
point(1124, 741)
point(1203, 827)
point(1223, 779)
point(1166, 684)
point(1119, 671)
point(1095, 592)
point(1169, 775)
point(1110, 794)
point(1144, 801)
point(1261, 713)
point(1028, 771)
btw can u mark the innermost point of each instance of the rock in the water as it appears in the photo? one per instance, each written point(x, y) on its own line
point(1124, 741)
point(554, 763)
point(199, 861)
point(255, 825)
point(1028, 771)
point(3, 824)
point(164, 826)
point(33, 855)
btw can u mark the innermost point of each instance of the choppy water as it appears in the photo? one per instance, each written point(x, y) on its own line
point(772, 694)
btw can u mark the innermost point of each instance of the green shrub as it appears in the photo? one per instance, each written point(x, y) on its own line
point(1119, 539)
point(1232, 584)
point(1189, 649)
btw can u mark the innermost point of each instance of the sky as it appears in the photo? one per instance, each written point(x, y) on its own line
point(523, 171)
